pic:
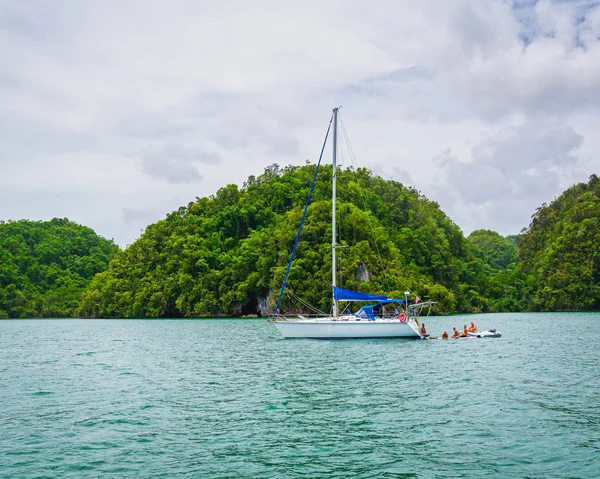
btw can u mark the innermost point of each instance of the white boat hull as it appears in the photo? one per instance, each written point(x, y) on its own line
point(330, 329)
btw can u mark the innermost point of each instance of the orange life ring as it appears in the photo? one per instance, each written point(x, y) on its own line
point(402, 317)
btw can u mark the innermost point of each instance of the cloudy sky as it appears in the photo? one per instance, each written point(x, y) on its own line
point(114, 113)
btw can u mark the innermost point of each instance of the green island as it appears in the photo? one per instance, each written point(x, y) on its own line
point(225, 255)
point(45, 266)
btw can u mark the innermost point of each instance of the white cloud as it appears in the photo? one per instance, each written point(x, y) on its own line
point(118, 112)
point(175, 164)
point(510, 173)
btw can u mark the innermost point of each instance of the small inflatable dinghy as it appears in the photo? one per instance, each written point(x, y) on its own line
point(491, 333)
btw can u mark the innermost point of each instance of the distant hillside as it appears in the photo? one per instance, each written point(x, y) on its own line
point(494, 250)
point(46, 265)
point(226, 255)
point(491, 272)
point(560, 251)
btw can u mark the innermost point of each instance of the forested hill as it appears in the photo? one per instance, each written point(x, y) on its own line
point(226, 255)
point(559, 253)
point(46, 265)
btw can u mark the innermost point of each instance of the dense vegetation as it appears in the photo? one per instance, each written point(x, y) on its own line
point(559, 254)
point(46, 265)
point(491, 271)
point(558, 262)
point(226, 255)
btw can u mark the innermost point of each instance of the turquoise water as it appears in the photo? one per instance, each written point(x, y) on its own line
point(228, 398)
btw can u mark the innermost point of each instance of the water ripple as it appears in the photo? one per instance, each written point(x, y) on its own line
point(229, 398)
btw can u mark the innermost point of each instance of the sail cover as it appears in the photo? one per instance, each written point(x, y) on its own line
point(341, 294)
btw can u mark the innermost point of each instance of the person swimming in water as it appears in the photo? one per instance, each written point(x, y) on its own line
point(445, 335)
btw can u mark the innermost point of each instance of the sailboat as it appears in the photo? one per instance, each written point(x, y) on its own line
point(384, 318)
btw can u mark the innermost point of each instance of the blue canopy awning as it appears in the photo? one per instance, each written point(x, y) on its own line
point(341, 294)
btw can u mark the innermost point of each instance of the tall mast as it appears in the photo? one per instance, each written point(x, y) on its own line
point(333, 211)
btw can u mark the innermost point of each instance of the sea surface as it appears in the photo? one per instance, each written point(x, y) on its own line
point(230, 398)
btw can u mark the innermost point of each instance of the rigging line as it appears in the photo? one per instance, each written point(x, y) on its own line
point(347, 138)
point(362, 196)
point(338, 223)
point(307, 304)
point(347, 308)
point(304, 303)
point(312, 187)
point(351, 150)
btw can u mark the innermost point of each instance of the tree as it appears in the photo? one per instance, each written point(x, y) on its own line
point(226, 254)
point(46, 265)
